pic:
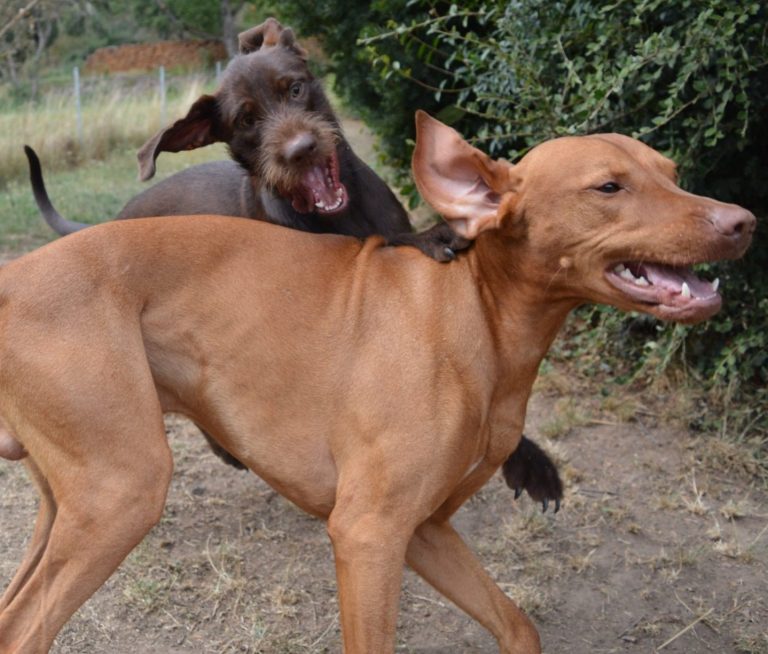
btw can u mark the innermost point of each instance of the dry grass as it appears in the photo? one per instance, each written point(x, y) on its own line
point(113, 116)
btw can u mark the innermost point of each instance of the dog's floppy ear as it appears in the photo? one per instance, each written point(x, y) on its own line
point(462, 183)
point(196, 129)
point(269, 34)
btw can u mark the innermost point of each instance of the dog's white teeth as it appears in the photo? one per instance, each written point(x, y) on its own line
point(685, 291)
point(625, 273)
point(325, 207)
point(716, 285)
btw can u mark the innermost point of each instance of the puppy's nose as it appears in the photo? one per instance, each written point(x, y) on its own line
point(299, 148)
point(732, 220)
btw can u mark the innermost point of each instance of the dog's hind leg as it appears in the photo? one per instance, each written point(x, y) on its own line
point(109, 490)
point(439, 555)
point(45, 516)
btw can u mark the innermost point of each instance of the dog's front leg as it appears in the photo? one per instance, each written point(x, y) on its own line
point(369, 539)
point(439, 555)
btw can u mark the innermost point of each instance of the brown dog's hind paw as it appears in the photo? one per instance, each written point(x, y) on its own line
point(529, 468)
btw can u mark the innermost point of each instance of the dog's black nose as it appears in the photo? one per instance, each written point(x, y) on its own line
point(299, 148)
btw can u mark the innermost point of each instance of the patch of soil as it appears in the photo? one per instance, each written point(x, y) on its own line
point(649, 553)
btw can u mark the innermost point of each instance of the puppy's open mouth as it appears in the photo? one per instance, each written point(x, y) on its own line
point(669, 292)
point(320, 189)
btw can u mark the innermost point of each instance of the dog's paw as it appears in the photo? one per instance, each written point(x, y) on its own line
point(439, 242)
point(443, 242)
point(529, 468)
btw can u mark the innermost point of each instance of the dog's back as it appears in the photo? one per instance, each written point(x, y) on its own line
point(217, 187)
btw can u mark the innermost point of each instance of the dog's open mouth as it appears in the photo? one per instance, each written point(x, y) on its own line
point(670, 292)
point(320, 189)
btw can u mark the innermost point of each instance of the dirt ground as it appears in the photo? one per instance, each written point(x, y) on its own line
point(652, 552)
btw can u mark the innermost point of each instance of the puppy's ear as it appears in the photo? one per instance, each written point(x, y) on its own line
point(269, 34)
point(198, 128)
point(472, 191)
point(264, 35)
point(288, 40)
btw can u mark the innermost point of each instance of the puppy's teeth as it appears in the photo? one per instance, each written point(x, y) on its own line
point(642, 281)
point(685, 291)
point(627, 274)
point(619, 269)
point(716, 285)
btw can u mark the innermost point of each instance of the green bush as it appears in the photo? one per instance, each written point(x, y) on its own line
point(689, 78)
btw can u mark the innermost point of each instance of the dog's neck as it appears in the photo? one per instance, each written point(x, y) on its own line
point(523, 319)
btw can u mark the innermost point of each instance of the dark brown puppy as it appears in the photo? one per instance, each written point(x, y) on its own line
point(292, 165)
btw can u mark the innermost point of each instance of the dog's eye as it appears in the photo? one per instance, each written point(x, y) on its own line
point(295, 89)
point(609, 187)
point(246, 120)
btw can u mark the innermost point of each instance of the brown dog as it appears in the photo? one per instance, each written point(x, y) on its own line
point(383, 432)
point(288, 151)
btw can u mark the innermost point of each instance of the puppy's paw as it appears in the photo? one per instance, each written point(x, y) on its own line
point(444, 242)
point(439, 242)
point(529, 468)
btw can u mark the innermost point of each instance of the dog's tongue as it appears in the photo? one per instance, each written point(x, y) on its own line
point(671, 279)
point(320, 189)
point(320, 184)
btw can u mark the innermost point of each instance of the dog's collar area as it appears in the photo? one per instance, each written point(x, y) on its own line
point(673, 289)
point(321, 189)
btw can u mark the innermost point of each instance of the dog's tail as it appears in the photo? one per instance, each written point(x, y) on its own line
point(55, 220)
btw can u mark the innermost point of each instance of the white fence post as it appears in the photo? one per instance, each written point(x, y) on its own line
point(78, 105)
point(162, 96)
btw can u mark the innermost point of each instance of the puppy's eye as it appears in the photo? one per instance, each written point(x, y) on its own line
point(246, 120)
point(609, 187)
point(295, 89)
